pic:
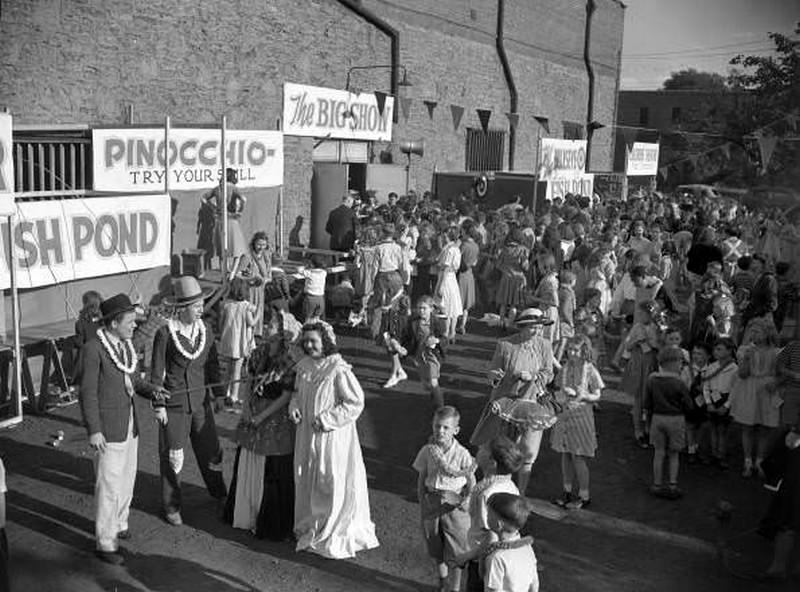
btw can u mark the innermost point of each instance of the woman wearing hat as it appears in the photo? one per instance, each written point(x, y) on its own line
point(521, 368)
point(184, 355)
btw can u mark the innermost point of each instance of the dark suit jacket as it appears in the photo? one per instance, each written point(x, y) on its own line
point(105, 403)
point(179, 374)
point(342, 228)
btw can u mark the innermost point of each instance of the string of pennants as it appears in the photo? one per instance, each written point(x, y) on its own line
point(456, 112)
point(766, 141)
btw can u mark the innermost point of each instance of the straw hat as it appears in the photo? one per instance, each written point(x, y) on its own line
point(532, 316)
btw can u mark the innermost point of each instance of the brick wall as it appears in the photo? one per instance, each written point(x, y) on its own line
point(86, 61)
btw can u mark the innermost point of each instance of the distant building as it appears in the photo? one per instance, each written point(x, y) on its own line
point(669, 110)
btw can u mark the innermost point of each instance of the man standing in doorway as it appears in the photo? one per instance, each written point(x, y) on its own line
point(109, 379)
point(342, 225)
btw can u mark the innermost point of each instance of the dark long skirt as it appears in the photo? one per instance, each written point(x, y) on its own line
point(276, 516)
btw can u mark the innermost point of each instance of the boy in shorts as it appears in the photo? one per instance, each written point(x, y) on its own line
point(422, 340)
point(666, 399)
point(446, 477)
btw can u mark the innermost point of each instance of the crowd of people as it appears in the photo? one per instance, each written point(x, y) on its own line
point(684, 299)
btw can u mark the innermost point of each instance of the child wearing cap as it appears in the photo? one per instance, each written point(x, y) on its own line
point(666, 400)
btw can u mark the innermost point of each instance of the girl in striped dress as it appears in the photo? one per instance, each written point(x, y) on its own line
point(574, 433)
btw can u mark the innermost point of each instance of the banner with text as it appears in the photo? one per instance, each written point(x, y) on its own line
point(642, 160)
point(6, 166)
point(561, 158)
point(132, 159)
point(68, 240)
point(579, 184)
point(338, 114)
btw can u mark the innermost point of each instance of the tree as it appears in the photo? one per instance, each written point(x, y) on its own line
point(775, 83)
point(691, 79)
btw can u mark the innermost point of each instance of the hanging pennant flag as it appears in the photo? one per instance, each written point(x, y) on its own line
point(629, 135)
point(513, 119)
point(430, 105)
point(544, 122)
point(664, 172)
point(484, 115)
point(792, 118)
point(354, 90)
point(767, 146)
point(726, 150)
point(380, 98)
point(458, 112)
point(405, 107)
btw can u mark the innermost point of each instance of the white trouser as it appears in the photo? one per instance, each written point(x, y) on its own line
point(115, 471)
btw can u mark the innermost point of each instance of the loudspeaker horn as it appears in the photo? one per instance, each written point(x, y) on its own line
point(417, 147)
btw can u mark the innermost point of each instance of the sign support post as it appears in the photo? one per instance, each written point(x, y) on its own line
point(224, 205)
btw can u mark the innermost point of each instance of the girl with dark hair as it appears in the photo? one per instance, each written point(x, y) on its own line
point(332, 515)
point(512, 261)
point(255, 267)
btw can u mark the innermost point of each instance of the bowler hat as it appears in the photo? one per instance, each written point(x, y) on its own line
point(532, 316)
point(115, 305)
point(186, 290)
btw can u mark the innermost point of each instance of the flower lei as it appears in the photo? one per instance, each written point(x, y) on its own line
point(525, 541)
point(445, 468)
point(101, 334)
point(200, 346)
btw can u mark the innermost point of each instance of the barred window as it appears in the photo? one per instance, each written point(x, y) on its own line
point(52, 162)
point(484, 150)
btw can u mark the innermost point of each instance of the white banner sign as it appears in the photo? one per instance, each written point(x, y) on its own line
point(561, 158)
point(68, 240)
point(131, 159)
point(580, 184)
point(6, 166)
point(642, 160)
point(330, 113)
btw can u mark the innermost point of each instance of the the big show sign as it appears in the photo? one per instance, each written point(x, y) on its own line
point(133, 159)
point(562, 164)
point(56, 242)
point(339, 114)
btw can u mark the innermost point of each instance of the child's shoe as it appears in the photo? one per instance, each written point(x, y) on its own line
point(563, 500)
point(579, 504)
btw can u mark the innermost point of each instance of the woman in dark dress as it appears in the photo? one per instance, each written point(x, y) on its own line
point(261, 496)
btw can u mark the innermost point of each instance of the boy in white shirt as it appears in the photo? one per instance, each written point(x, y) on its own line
point(511, 562)
point(314, 289)
point(446, 476)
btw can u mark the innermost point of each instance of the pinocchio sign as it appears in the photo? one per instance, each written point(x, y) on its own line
point(338, 114)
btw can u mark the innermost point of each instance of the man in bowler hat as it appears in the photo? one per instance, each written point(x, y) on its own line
point(109, 379)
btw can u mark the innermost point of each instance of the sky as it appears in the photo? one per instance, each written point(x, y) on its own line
point(663, 36)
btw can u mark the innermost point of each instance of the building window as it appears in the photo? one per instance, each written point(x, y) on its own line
point(676, 115)
point(644, 116)
point(484, 150)
point(52, 162)
point(572, 130)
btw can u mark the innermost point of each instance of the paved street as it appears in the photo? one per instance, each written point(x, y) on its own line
point(628, 541)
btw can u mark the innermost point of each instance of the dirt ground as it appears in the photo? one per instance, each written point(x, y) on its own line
point(627, 541)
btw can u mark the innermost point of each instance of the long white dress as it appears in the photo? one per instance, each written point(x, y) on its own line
point(332, 516)
point(448, 291)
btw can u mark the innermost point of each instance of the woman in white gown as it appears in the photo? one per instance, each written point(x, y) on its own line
point(447, 291)
point(332, 516)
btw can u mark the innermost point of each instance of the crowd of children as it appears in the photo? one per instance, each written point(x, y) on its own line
point(643, 288)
